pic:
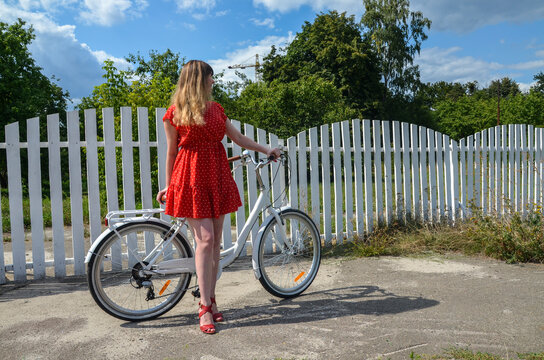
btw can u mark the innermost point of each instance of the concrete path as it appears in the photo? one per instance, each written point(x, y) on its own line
point(356, 309)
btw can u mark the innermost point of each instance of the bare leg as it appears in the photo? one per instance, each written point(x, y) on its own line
point(203, 231)
point(217, 230)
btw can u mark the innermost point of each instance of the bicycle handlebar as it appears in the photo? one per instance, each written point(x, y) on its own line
point(246, 155)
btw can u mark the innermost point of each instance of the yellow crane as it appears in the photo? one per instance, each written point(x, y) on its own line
point(257, 66)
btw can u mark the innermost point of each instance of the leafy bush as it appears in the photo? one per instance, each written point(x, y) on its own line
point(513, 237)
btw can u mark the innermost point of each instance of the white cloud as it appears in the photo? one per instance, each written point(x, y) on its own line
point(351, 6)
point(436, 64)
point(540, 53)
point(108, 13)
point(247, 56)
point(190, 27)
point(268, 22)
point(195, 4)
point(79, 67)
point(464, 16)
point(460, 16)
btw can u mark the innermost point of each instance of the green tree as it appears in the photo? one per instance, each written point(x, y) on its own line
point(539, 86)
point(162, 65)
point(24, 91)
point(285, 109)
point(504, 88)
point(465, 116)
point(396, 34)
point(330, 48)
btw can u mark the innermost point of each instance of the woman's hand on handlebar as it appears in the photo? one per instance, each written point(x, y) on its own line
point(161, 196)
point(274, 153)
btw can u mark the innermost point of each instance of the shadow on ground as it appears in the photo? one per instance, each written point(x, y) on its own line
point(311, 306)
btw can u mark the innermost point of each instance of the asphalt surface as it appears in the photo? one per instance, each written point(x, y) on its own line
point(377, 308)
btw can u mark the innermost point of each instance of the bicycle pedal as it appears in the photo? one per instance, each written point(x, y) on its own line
point(196, 293)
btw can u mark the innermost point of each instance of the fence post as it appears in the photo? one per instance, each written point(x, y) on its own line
point(348, 184)
point(325, 174)
point(338, 211)
point(367, 160)
point(76, 193)
point(35, 195)
point(93, 187)
point(378, 171)
point(55, 185)
point(358, 169)
point(13, 154)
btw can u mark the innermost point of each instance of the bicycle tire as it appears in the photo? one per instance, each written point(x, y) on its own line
point(113, 277)
point(285, 272)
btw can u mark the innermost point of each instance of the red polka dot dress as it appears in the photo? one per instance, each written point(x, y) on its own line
point(201, 185)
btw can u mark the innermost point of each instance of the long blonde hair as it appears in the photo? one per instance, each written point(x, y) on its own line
point(192, 93)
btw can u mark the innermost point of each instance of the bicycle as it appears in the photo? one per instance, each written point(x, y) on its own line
point(139, 254)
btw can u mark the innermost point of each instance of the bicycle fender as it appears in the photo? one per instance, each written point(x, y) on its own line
point(108, 231)
point(255, 250)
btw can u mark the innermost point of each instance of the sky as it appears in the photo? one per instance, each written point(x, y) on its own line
point(469, 40)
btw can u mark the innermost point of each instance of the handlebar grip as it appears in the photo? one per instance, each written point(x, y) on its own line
point(234, 158)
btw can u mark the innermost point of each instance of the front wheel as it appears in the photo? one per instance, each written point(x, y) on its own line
point(288, 267)
point(117, 281)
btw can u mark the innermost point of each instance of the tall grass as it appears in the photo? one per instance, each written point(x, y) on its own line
point(513, 237)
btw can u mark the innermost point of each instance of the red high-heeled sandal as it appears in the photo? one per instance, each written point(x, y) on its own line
point(208, 328)
point(217, 317)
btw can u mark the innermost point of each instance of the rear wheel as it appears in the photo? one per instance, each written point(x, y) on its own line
point(288, 268)
point(116, 278)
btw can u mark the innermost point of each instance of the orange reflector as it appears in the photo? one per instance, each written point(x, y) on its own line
point(299, 276)
point(164, 287)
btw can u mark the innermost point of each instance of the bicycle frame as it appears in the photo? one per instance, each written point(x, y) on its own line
point(115, 219)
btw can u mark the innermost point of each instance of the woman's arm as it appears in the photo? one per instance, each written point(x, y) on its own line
point(247, 143)
point(171, 153)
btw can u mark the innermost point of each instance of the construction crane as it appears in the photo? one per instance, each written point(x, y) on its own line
point(257, 66)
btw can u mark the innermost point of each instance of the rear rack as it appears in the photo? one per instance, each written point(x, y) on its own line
point(113, 218)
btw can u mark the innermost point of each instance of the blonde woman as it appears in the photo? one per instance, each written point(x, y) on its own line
point(199, 184)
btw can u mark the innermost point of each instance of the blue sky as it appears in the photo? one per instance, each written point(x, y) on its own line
point(469, 40)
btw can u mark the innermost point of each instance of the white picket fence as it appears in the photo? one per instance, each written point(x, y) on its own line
point(350, 176)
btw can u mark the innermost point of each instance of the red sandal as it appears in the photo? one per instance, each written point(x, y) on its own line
point(217, 317)
point(208, 328)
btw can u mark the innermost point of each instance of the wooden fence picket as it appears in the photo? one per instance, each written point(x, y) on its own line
point(358, 170)
point(337, 171)
point(455, 179)
point(35, 196)
point(252, 194)
point(76, 192)
point(406, 178)
point(424, 190)
point(367, 162)
point(326, 178)
point(348, 185)
point(433, 186)
point(399, 199)
point(13, 155)
point(463, 177)
point(378, 171)
point(93, 185)
point(55, 190)
point(386, 140)
point(314, 177)
point(530, 166)
point(504, 173)
point(415, 173)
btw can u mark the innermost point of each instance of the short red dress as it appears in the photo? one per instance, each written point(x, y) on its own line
point(201, 185)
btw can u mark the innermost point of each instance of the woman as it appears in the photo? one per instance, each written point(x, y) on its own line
point(199, 184)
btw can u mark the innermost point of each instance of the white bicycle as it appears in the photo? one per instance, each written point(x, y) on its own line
point(141, 266)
